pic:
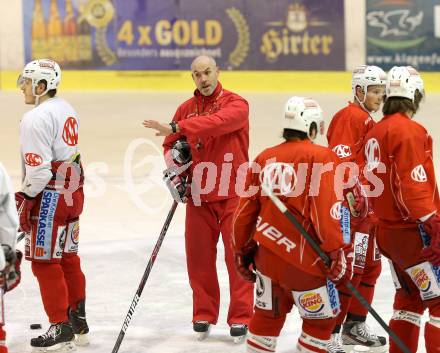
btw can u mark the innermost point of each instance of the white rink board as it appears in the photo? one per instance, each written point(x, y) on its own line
point(117, 237)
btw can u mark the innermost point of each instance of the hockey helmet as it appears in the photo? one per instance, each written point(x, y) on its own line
point(365, 76)
point(300, 113)
point(403, 81)
point(42, 69)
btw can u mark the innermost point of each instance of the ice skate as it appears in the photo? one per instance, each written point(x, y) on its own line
point(357, 333)
point(335, 344)
point(59, 338)
point(79, 324)
point(201, 328)
point(238, 332)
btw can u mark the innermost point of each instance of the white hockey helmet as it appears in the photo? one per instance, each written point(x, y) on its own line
point(403, 81)
point(300, 113)
point(42, 69)
point(365, 76)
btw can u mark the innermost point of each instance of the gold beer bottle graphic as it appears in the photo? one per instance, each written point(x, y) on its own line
point(84, 37)
point(55, 33)
point(69, 30)
point(39, 32)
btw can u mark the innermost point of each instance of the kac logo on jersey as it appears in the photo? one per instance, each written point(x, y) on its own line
point(421, 279)
point(335, 211)
point(279, 177)
point(70, 132)
point(372, 154)
point(342, 151)
point(311, 302)
point(33, 159)
point(418, 174)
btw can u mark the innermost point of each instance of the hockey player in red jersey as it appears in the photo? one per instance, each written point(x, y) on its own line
point(214, 125)
point(50, 202)
point(345, 136)
point(408, 223)
point(288, 271)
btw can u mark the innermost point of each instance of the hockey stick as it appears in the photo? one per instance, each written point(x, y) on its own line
point(144, 278)
point(324, 257)
point(21, 237)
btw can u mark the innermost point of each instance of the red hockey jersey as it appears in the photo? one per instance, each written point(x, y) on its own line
point(303, 175)
point(405, 149)
point(347, 131)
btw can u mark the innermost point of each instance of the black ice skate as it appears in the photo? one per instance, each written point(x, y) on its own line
point(201, 328)
point(59, 338)
point(79, 324)
point(238, 332)
point(357, 333)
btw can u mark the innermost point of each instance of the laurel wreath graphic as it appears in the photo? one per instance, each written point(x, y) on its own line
point(105, 53)
point(241, 50)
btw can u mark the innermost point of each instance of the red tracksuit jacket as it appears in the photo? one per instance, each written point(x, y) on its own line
point(215, 127)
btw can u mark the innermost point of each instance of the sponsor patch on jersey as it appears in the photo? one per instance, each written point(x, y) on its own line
point(345, 224)
point(418, 174)
point(32, 159)
point(335, 211)
point(342, 151)
point(319, 303)
point(360, 249)
point(263, 292)
point(43, 237)
point(70, 132)
point(425, 279)
point(372, 154)
point(72, 238)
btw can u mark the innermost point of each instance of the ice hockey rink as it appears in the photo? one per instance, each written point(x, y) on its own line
point(126, 205)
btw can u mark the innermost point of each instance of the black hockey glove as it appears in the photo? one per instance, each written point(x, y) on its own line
point(11, 274)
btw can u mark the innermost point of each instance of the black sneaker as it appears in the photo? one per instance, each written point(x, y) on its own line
point(79, 324)
point(58, 336)
point(238, 332)
point(202, 329)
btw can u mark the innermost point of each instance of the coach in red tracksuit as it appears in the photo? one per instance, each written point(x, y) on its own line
point(215, 124)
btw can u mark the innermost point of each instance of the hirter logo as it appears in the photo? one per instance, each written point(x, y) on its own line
point(32, 159)
point(418, 174)
point(342, 151)
point(70, 132)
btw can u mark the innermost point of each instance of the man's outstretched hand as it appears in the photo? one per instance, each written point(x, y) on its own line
point(161, 129)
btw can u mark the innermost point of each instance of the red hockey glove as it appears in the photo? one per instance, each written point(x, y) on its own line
point(432, 228)
point(244, 261)
point(356, 201)
point(24, 205)
point(11, 274)
point(341, 268)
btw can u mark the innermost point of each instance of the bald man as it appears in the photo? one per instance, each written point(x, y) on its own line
point(213, 128)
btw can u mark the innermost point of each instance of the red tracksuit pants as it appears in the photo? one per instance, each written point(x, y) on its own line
point(203, 226)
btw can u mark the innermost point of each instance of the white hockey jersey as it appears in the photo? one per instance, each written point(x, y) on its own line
point(8, 211)
point(48, 133)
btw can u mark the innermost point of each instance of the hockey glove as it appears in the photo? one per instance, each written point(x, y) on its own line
point(11, 274)
point(356, 201)
point(341, 267)
point(24, 205)
point(244, 261)
point(432, 252)
point(176, 184)
point(181, 152)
